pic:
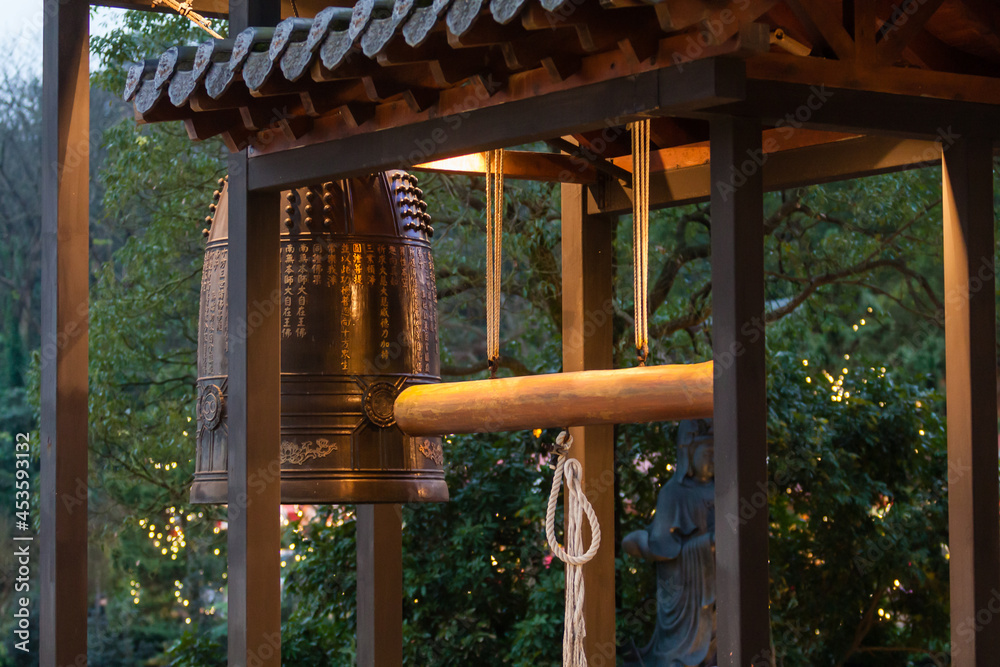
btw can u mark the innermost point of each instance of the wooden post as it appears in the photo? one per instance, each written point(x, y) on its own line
point(741, 526)
point(380, 585)
point(970, 334)
point(587, 309)
point(62, 637)
point(254, 424)
point(254, 537)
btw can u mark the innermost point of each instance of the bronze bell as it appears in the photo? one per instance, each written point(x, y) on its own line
point(358, 311)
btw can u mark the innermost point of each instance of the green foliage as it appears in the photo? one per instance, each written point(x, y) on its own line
point(858, 514)
point(479, 584)
point(858, 496)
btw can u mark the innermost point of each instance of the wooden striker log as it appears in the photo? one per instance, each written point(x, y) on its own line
point(628, 395)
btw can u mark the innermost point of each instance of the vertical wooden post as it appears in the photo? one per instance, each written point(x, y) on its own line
point(864, 32)
point(62, 639)
point(587, 310)
point(740, 393)
point(254, 424)
point(970, 335)
point(380, 585)
point(254, 402)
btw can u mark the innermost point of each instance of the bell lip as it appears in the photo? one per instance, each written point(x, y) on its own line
point(428, 488)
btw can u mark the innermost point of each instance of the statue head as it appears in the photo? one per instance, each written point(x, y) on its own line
point(695, 450)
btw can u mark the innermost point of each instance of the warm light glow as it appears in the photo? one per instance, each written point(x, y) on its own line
point(467, 164)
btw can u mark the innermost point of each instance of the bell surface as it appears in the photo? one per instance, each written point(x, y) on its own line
point(358, 310)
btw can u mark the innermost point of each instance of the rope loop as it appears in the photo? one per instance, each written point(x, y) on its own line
point(577, 506)
point(573, 473)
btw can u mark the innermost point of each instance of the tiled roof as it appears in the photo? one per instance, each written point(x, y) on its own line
point(350, 61)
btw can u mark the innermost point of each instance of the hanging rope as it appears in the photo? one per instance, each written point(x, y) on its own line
point(494, 246)
point(573, 555)
point(640, 234)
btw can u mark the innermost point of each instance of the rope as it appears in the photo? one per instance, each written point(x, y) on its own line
point(573, 555)
point(494, 247)
point(295, 10)
point(640, 235)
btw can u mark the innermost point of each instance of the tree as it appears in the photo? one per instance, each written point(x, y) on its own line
point(479, 587)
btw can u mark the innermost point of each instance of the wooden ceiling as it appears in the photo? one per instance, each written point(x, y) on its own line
point(380, 63)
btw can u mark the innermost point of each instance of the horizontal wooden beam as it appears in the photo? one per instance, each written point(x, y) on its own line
point(822, 163)
point(525, 165)
point(582, 398)
point(608, 104)
point(213, 8)
point(695, 154)
point(906, 81)
point(220, 8)
point(790, 91)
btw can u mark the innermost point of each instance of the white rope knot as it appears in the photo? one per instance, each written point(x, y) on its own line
point(573, 554)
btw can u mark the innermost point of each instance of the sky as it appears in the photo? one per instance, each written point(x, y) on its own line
point(21, 32)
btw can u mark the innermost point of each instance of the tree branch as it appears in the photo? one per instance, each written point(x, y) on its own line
point(511, 363)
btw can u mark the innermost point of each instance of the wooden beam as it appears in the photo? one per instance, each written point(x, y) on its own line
point(822, 163)
point(865, 29)
point(553, 400)
point(814, 101)
point(588, 309)
point(380, 585)
point(62, 638)
point(666, 91)
point(818, 20)
point(220, 8)
point(253, 13)
point(527, 165)
point(740, 419)
point(902, 28)
point(958, 88)
point(928, 52)
point(212, 8)
point(589, 152)
point(970, 334)
point(694, 154)
point(254, 535)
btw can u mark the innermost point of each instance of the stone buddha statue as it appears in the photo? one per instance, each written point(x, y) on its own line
point(681, 542)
